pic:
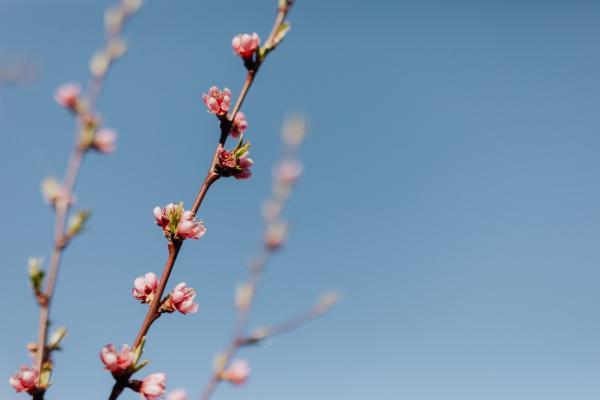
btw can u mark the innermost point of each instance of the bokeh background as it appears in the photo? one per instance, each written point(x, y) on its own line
point(450, 194)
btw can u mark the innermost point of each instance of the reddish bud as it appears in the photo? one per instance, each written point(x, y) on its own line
point(25, 380)
point(245, 45)
point(67, 95)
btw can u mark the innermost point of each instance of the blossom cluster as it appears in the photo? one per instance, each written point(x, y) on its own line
point(181, 298)
point(178, 223)
point(103, 140)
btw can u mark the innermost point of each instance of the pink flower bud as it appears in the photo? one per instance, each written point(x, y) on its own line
point(144, 287)
point(160, 215)
point(105, 140)
point(245, 45)
point(153, 386)
point(25, 380)
point(239, 125)
point(237, 373)
point(117, 362)
point(182, 299)
point(288, 172)
point(67, 95)
point(217, 101)
point(178, 394)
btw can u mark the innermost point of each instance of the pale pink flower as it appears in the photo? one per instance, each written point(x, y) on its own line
point(275, 235)
point(288, 172)
point(244, 163)
point(67, 95)
point(189, 228)
point(144, 287)
point(217, 101)
point(177, 394)
point(153, 386)
point(237, 373)
point(105, 140)
point(245, 45)
point(239, 125)
point(177, 222)
point(25, 380)
point(117, 361)
point(182, 299)
point(161, 215)
point(54, 193)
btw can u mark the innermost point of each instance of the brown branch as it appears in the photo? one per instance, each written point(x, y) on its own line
point(153, 313)
point(211, 177)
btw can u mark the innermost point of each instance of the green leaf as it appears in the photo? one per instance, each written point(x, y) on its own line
point(77, 223)
point(140, 365)
point(284, 28)
point(56, 337)
point(241, 149)
point(137, 352)
point(36, 274)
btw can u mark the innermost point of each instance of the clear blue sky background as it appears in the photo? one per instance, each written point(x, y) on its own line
point(451, 194)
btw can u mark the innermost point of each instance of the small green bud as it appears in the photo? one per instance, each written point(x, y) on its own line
point(77, 223)
point(36, 274)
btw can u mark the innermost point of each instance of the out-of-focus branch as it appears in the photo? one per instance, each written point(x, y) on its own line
point(285, 175)
point(17, 72)
point(86, 123)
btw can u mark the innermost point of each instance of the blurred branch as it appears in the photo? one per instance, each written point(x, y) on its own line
point(86, 123)
point(18, 71)
point(286, 174)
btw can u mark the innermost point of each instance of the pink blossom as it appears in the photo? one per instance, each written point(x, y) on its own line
point(153, 386)
point(288, 171)
point(178, 394)
point(189, 228)
point(244, 163)
point(182, 298)
point(105, 140)
point(239, 125)
point(275, 235)
point(117, 362)
point(237, 373)
point(245, 45)
point(179, 223)
point(144, 287)
point(161, 215)
point(25, 380)
point(54, 193)
point(67, 95)
point(217, 101)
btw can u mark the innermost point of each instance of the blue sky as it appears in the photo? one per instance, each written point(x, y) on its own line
point(450, 194)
